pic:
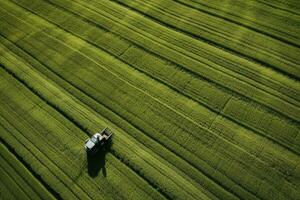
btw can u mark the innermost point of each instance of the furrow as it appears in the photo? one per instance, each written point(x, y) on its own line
point(73, 121)
point(28, 151)
point(138, 165)
point(156, 111)
point(130, 18)
point(12, 184)
point(230, 83)
point(218, 111)
point(266, 25)
point(271, 4)
point(247, 69)
point(86, 184)
point(95, 106)
point(40, 187)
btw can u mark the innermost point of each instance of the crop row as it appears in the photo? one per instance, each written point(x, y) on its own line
point(291, 6)
point(5, 193)
point(114, 138)
point(53, 136)
point(152, 167)
point(170, 157)
point(199, 90)
point(190, 61)
point(271, 21)
point(201, 52)
point(51, 147)
point(24, 183)
point(79, 58)
point(219, 32)
point(88, 121)
point(59, 58)
point(38, 162)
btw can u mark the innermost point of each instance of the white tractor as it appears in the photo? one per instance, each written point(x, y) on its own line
point(93, 144)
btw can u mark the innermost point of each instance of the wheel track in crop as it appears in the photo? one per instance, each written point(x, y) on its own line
point(278, 7)
point(171, 26)
point(254, 98)
point(228, 16)
point(31, 171)
point(52, 171)
point(104, 105)
point(98, 9)
point(250, 127)
point(213, 30)
point(56, 108)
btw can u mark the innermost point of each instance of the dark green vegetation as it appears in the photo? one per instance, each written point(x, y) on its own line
point(203, 98)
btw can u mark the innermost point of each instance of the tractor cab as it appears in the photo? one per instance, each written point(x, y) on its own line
point(93, 144)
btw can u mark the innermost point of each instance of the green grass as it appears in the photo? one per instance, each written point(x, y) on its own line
point(198, 112)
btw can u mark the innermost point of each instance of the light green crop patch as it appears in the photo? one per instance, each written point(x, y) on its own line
point(203, 99)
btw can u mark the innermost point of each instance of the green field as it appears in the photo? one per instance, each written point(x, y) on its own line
point(203, 98)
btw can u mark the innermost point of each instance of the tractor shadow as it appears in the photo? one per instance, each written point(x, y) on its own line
point(96, 162)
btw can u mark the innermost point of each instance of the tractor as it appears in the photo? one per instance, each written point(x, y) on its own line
point(98, 140)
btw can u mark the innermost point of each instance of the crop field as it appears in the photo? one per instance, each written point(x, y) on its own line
point(203, 98)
